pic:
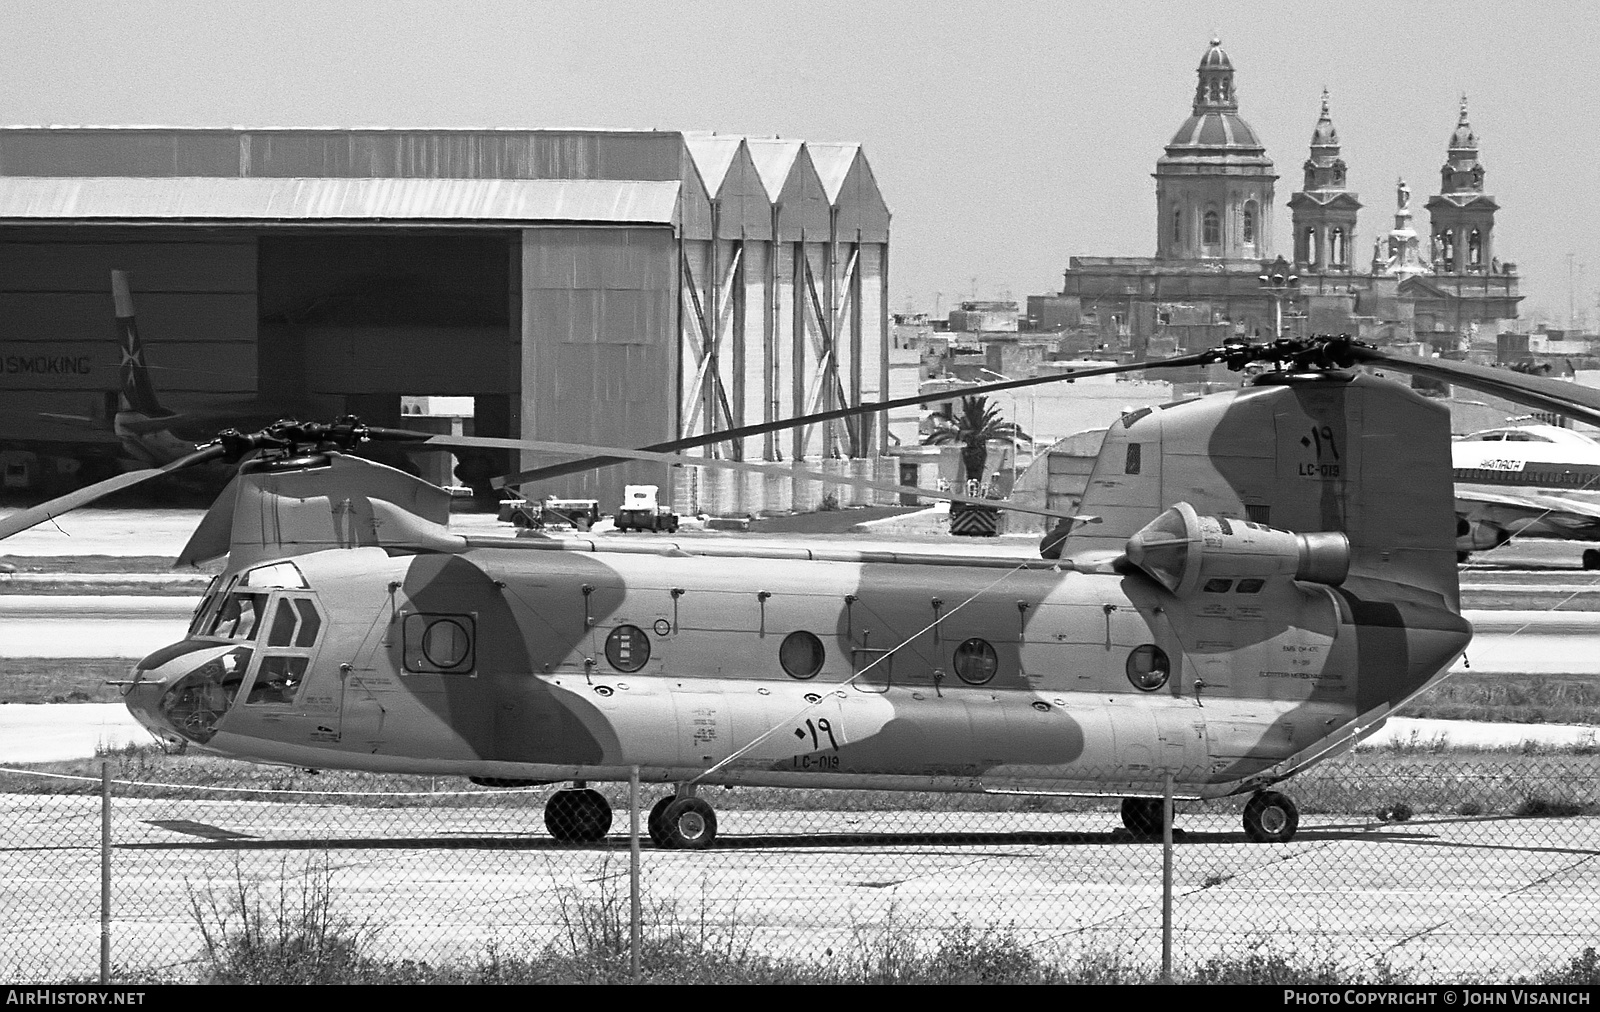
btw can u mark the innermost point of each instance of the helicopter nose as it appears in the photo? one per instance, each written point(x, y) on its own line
point(184, 691)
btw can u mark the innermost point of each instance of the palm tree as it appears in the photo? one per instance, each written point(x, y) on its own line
point(978, 422)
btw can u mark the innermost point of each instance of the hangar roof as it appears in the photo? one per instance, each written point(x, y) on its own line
point(368, 201)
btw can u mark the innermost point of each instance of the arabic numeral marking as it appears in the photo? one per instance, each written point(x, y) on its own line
point(1322, 438)
point(821, 724)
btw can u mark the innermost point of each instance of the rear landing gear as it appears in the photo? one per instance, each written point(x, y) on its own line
point(682, 824)
point(578, 816)
point(1142, 816)
point(1270, 817)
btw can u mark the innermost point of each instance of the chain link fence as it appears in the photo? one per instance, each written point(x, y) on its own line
point(1407, 867)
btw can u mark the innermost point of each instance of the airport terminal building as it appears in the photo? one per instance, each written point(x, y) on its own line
point(593, 286)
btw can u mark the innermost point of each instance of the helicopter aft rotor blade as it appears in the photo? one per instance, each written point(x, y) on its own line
point(762, 428)
point(547, 446)
point(1560, 396)
point(35, 515)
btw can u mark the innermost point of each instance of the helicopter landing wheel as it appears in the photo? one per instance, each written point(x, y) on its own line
point(1271, 817)
point(687, 824)
point(578, 816)
point(1591, 558)
point(1142, 816)
point(657, 822)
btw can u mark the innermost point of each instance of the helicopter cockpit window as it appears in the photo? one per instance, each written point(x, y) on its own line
point(284, 575)
point(291, 632)
point(283, 622)
point(1148, 667)
point(627, 648)
point(1218, 586)
point(294, 624)
point(310, 623)
point(239, 616)
point(1251, 586)
point(440, 644)
point(278, 680)
point(207, 601)
point(801, 654)
point(975, 661)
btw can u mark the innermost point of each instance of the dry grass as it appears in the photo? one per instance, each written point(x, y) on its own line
point(62, 680)
point(1516, 699)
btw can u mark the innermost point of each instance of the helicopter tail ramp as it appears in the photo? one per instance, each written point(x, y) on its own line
point(1321, 452)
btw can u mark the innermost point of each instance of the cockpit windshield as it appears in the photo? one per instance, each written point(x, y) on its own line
point(238, 617)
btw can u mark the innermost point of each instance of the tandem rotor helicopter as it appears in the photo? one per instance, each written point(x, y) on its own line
point(1255, 579)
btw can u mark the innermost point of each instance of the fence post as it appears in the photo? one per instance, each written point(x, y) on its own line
point(105, 872)
point(1166, 881)
point(633, 874)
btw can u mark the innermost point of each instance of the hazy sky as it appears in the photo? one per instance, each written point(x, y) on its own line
point(1006, 136)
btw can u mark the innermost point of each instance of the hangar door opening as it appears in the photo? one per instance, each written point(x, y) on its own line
point(352, 322)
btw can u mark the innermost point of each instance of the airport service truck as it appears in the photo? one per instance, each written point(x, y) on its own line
point(640, 510)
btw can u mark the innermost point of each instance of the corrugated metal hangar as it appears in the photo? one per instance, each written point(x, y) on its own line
point(608, 287)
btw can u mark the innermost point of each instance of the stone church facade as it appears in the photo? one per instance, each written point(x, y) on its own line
point(1215, 208)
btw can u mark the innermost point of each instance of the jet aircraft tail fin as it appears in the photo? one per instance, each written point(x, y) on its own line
point(137, 393)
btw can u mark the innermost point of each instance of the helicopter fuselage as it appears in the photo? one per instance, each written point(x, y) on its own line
point(823, 668)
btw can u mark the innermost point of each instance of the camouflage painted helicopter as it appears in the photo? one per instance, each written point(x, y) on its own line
point(1256, 580)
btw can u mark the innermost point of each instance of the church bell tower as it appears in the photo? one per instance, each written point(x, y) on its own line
point(1324, 212)
point(1462, 215)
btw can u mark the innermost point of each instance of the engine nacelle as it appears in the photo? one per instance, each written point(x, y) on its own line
point(1182, 550)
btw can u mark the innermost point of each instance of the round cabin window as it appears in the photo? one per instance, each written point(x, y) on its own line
point(801, 654)
point(627, 648)
point(1148, 667)
point(445, 643)
point(975, 661)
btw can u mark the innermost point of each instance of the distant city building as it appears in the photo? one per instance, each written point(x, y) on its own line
point(1214, 208)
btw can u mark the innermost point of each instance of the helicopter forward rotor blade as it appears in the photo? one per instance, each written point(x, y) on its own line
point(35, 515)
point(1559, 396)
point(619, 453)
point(762, 428)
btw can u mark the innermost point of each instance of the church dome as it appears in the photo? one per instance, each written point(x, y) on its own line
point(1214, 183)
point(1214, 128)
point(1215, 58)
